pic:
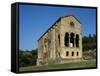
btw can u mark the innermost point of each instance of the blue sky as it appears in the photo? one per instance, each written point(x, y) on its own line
point(35, 20)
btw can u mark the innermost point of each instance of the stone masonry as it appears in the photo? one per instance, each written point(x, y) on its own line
point(61, 43)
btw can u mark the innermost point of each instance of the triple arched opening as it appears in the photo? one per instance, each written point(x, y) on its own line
point(71, 40)
point(72, 53)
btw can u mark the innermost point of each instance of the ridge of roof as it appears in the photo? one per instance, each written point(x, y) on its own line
point(56, 22)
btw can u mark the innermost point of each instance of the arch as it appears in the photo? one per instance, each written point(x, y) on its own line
point(77, 40)
point(72, 39)
point(59, 54)
point(67, 53)
point(59, 39)
point(66, 39)
point(72, 53)
point(77, 53)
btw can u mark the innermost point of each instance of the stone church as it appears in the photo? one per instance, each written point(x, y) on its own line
point(61, 43)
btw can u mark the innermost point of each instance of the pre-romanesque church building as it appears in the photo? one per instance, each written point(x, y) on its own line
point(61, 43)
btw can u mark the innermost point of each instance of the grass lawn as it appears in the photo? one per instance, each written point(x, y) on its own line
point(83, 64)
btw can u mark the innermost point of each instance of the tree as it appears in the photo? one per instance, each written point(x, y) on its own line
point(89, 42)
point(34, 51)
point(27, 58)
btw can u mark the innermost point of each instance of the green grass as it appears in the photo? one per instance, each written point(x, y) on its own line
point(83, 64)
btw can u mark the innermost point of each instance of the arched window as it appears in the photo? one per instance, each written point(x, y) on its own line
point(72, 39)
point(72, 53)
point(59, 54)
point(59, 39)
point(77, 53)
point(77, 40)
point(67, 53)
point(66, 39)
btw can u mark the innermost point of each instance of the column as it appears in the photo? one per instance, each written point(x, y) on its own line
point(80, 45)
point(74, 40)
point(53, 43)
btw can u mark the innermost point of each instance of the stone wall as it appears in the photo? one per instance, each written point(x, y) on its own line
point(51, 46)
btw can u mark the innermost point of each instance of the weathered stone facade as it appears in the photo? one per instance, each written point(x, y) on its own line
point(62, 42)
